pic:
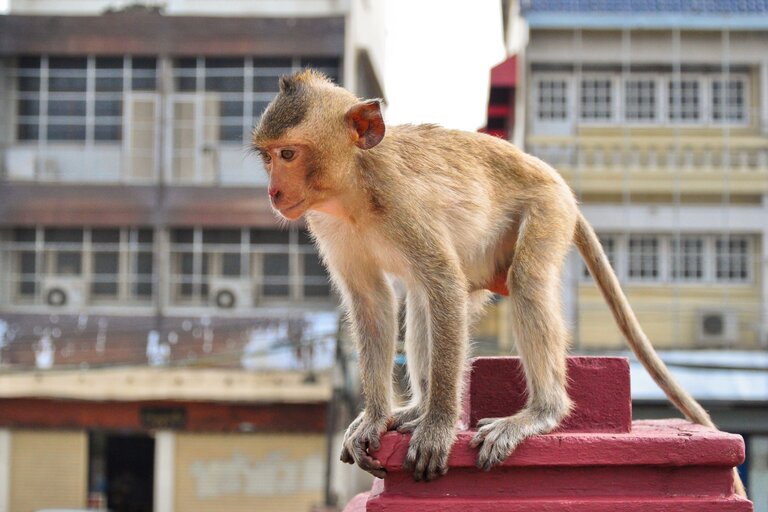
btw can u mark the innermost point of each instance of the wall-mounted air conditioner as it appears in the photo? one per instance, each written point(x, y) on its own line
point(717, 327)
point(231, 293)
point(63, 291)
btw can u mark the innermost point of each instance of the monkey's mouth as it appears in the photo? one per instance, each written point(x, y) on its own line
point(291, 208)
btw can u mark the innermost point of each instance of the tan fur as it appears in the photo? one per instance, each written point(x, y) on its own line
point(444, 211)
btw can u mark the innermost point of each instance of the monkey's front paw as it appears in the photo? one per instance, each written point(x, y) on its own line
point(405, 419)
point(364, 434)
point(429, 449)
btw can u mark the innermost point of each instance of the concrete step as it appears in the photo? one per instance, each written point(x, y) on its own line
point(598, 387)
point(580, 504)
point(597, 461)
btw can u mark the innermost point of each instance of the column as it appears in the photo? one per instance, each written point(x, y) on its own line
point(165, 455)
point(5, 470)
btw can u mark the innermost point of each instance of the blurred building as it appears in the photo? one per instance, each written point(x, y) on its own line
point(135, 230)
point(656, 113)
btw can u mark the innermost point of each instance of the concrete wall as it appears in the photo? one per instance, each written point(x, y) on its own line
point(237, 472)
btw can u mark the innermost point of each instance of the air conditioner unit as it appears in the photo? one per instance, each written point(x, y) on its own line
point(231, 293)
point(717, 327)
point(63, 291)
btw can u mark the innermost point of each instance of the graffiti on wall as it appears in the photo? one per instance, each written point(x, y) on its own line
point(275, 474)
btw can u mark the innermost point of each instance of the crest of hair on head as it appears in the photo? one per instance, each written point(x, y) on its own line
point(290, 83)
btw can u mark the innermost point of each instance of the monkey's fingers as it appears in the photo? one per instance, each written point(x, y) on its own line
point(373, 466)
point(346, 456)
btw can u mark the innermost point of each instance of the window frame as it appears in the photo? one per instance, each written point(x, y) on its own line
point(127, 276)
point(614, 102)
point(666, 254)
point(92, 96)
point(567, 80)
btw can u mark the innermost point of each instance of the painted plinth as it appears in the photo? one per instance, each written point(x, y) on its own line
point(598, 460)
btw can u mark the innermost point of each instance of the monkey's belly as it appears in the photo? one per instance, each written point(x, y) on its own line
point(498, 284)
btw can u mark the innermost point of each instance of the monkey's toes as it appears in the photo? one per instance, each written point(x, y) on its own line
point(498, 438)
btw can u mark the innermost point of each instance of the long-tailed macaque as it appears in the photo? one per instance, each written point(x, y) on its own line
point(452, 214)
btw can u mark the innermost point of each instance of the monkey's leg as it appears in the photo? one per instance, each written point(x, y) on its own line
point(540, 334)
point(417, 342)
point(372, 313)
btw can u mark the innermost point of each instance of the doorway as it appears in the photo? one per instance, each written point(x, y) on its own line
point(121, 471)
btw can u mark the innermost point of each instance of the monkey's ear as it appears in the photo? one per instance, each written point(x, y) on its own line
point(287, 84)
point(366, 124)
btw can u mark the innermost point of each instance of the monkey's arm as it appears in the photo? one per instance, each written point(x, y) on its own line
point(437, 271)
point(370, 301)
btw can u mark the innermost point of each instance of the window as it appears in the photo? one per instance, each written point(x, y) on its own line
point(77, 98)
point(684, 100)
point(109, 265)
point(640, 100)
point(732, 258)
point(236, 91)
point(643, 257)
point(729, 100)
point(687, 256)
point(257, 265)
point(553, 100)
point(596, 99)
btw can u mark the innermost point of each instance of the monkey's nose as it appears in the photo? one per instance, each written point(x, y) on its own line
point(275, 194)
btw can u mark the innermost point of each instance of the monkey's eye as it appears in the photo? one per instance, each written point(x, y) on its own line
point(287, 154)
point(266, 157)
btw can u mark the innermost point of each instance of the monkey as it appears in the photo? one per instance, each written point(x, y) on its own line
point(453, 215)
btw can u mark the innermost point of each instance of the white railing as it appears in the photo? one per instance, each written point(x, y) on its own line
point(617, 155)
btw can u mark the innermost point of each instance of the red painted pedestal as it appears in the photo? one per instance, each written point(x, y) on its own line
point(597, 461)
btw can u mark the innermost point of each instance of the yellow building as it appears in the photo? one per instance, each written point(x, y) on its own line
point(659, 122)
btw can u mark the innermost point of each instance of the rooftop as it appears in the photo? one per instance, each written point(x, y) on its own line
point(647, 14)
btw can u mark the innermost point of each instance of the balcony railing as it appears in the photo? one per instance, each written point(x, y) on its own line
point(655, 165)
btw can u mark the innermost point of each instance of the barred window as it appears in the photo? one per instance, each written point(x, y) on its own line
point(244, 267)
point(596, 99)
point(99, 265)
point(687, 256)
point(235, 91)
point(643, 257)
point(77, 98)
point(684, 100)
point(729, 100)
point(732, 258)
point(552, 100)
point(640, 100)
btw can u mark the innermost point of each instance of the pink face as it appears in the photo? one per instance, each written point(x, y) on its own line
point(286, 163)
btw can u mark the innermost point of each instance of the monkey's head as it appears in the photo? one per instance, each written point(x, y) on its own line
point(309, 137)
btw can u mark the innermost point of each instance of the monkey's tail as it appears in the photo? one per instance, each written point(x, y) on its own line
point(597, 262)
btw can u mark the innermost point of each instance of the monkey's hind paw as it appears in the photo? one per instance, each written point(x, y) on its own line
point(498, 437)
